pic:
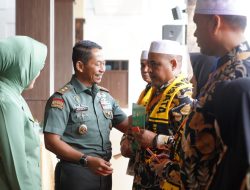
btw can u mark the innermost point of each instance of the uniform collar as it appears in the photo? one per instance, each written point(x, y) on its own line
point(79, 87)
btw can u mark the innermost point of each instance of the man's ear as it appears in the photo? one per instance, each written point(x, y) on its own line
point(80, 66)
point(216, 24)
point(173, 63)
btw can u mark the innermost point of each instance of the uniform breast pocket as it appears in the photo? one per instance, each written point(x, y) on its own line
point(79, 117)
point(79, 125)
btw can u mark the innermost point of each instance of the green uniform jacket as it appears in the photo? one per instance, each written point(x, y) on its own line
point(21, 59)
point(83, 117)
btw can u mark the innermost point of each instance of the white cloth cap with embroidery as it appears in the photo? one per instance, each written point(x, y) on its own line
point(144, 54)
point(222, 7)
point(166, 47)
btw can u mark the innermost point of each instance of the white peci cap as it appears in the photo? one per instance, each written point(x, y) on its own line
point(222, 7)
point(144, 54)
point(166, 47)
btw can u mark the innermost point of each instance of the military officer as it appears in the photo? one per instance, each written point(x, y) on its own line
point(77, 123)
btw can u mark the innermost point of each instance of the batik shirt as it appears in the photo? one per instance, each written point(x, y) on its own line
point(168, 107)
point(214, 132)
point(202, 147)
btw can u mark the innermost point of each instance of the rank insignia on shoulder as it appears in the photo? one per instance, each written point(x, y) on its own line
point(103, 89)
point(57, 103)
point(63, 90)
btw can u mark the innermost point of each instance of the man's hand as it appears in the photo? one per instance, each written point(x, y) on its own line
point(145, 138)
point(99, 166)
point(126, 147)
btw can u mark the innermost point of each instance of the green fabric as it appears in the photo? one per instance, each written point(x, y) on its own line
point(21, 59)
point(98, 115)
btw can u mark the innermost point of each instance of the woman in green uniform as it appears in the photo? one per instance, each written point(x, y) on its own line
point(21, 60)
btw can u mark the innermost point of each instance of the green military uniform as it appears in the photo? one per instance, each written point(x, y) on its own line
point(73, 108)
point(83, 117)
point(21, 59)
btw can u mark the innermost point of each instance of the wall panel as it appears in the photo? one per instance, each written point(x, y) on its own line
point(63, 41)
point(33, 19)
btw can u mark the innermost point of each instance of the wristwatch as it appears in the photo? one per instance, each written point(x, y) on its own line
point(84, 161)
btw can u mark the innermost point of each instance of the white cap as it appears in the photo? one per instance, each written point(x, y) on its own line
point(166, 47)
point(222, 7)
point(144, 54)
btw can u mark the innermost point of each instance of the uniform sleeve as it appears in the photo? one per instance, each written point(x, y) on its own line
point(118, 114)
point(12, 148)
point(56, 115)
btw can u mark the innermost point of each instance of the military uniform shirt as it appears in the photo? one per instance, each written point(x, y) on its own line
point(83, 117)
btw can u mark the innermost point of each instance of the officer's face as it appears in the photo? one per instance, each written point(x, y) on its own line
point(93, 70)
point(160, 68)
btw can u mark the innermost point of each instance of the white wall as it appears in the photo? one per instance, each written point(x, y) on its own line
point(7, 18)
point(78, 9)
point(124, 32)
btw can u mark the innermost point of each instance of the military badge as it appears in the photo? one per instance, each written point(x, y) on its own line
point(81, 107)
point(77, 99)
point(101, 95)
point(108, 114)
point(106, 105)
point(82, 129)
point(57, 103)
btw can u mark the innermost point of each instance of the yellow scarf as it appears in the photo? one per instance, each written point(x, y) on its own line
point(160, 113)
point(145, 97)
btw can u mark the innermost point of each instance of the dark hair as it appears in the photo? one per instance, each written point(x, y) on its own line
point(236, 21)
point(82, 51)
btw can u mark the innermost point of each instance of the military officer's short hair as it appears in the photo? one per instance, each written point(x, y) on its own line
point(82, 51)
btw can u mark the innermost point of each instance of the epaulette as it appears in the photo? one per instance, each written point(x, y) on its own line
point(103, 89)
point(64, 89)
